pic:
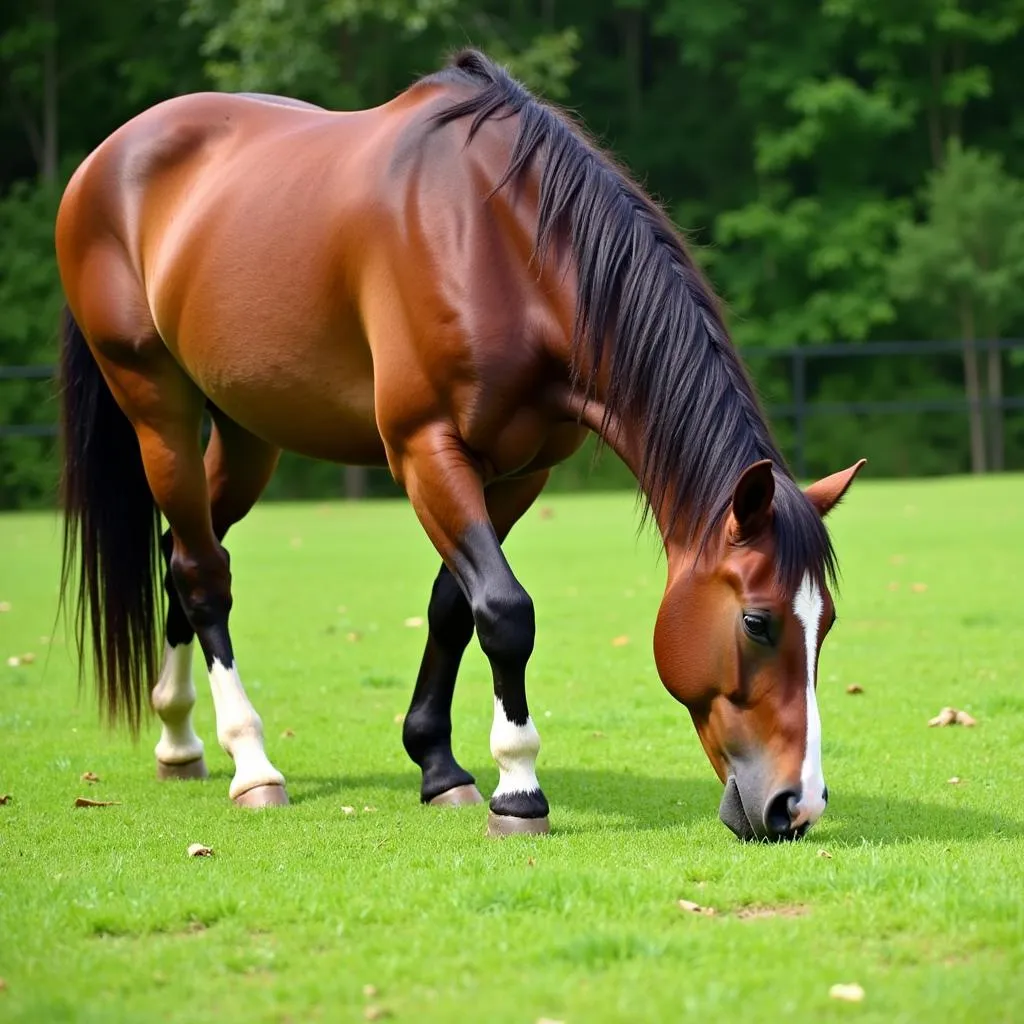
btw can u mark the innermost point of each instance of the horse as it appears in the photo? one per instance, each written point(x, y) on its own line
point(461, 285)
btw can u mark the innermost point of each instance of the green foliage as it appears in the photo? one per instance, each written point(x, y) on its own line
point(808, 149)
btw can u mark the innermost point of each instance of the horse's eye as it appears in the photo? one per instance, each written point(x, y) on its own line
point(758, 626)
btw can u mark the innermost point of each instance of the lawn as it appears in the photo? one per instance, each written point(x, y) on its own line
point(103, 917)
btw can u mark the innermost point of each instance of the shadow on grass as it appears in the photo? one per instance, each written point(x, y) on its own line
point(623, 801)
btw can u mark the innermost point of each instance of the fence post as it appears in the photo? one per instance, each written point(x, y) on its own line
point(800, 411)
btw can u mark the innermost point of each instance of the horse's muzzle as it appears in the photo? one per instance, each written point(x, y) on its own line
point(768, 819)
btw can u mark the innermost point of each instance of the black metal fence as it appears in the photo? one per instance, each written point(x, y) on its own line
point(806, 394)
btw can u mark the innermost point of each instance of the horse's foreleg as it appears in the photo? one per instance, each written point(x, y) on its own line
point(238, 467)
point(428, 725)
point(447, 493)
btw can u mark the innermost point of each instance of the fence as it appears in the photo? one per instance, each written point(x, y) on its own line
point(799, 407)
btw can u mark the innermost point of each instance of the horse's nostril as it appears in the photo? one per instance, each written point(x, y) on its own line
point(780, 812)
point(824, 794)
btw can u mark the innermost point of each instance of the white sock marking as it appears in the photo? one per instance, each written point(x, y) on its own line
point(514, 748)
point(808, 606)
point(173, 698)
point(240, 731)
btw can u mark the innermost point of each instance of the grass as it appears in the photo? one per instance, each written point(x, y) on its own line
point(103, 917)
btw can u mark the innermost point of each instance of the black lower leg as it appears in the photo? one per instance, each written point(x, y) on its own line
point(179, 631)
point(204, 592)
point(427, 733)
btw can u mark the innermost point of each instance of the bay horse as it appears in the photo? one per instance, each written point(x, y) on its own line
point(458, 284)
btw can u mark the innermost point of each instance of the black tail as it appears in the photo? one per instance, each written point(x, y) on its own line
point(111, 528)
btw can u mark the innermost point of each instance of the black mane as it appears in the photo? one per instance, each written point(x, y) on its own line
point(672, 369)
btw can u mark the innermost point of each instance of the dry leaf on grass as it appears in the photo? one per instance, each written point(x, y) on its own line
point(598, 735)
point(759, 913)
point(954, 781)
point(84, 801)
point(918, 588)
point(620, 641)
point(198, 850)
point(546, 512)
point(414, 621)
point(353, 637)
point(5, 606)
point(3, 985)
point(5, 799)
point(369, 991)
point(855, 688)
point(369, 810)
point(376, 1013)
point(14, 661)
point(288, 734)
point(851, 993)
point(950, 716)
point(349, 810)
point(825, 854)
point(695, 908)
point(90, 777)
point(530, 862)
point(399, 718)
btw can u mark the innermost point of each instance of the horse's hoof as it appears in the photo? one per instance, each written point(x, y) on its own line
point(263, 796)
point(501, 825)
point(458, 796)
point(186, 770)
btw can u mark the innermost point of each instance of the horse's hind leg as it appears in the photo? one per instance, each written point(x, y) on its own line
point(238, 467)
point(427, 732)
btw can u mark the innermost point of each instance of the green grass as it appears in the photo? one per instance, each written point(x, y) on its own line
point(103, 917)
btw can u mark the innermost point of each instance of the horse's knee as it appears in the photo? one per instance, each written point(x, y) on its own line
point(505, 623)
point(204, 586)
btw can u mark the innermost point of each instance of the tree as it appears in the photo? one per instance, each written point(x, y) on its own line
point(965, 262)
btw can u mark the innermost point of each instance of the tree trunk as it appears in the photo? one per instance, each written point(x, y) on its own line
point(355, 482)
point(972, 388)
point(995, 411)
point(50, 156)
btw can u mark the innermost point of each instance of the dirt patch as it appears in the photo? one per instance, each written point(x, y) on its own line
point(757, 913)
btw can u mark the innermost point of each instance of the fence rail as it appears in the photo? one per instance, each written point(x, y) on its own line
point(800, 409)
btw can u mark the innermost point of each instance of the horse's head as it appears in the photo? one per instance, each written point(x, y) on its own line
point(737, 642)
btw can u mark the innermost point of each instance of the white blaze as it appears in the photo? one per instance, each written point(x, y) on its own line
point(240, 731)
point(808, 606)
point(515, 748)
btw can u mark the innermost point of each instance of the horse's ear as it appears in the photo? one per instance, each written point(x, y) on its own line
point(829, 491)
point(752, 500)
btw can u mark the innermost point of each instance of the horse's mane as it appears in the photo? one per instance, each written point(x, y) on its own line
point(643, 306)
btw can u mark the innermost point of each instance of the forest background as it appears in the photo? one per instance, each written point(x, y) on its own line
point(847, 171)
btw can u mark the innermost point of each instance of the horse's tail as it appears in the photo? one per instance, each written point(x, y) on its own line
point(111, 528)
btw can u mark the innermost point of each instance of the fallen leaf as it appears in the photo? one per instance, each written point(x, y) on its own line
point(620, 641)
point(414, 621)
point(951, 716)
point(90, 777)
point(598, 735)
point(376, 1013)
point(3, 984)
point(198, 850)
point(759, 913)
point(947, 716)
point(369, 991)
point(349, 810)
point(5, 606)
point(5, 799)
point(918, 588)
point(399, 718)
point(14, 661)
point(825, 854)
point(546, 512)
point(855, 688)
point(84, 801)
point(954, 781)
point(353, 637)
point(369, 810)
point(288, 734)
point(695, 908)
point(530, 862)
point(28, 658)
point(851, 993)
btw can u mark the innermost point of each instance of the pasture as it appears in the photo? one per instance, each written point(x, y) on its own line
point(104, 917)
